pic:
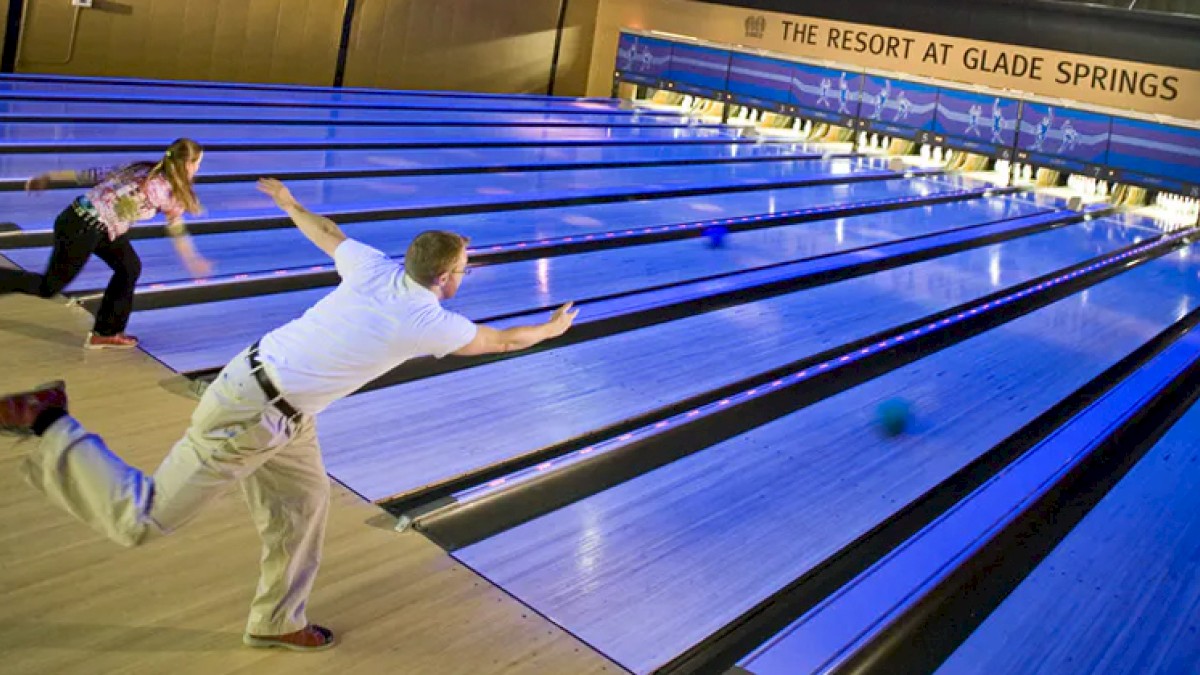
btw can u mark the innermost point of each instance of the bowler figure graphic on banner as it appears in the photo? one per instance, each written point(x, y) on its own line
point(1043, 129)
point(826, 88)
point(882, 99)
point(903, 106)
point(973, 115)
point(997, 123)
point(1069, 136)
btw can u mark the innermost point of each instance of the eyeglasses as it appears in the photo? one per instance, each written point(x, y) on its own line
point(466, 271)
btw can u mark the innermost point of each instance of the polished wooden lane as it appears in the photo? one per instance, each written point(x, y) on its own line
point(648, 568)
point(286, 248)
point(171, 333)
point(32, 136)
point(220, 164)
point(240, 201)
point(136, 91)
point(17, 111)
point(516, 407)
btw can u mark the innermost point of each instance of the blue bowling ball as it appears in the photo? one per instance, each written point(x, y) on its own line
point(716, 235)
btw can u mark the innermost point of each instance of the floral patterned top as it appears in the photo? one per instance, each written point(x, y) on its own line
point(126, 194)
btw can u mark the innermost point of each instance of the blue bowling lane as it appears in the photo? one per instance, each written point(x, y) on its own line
point(12, 88)
point(16, 137)
point(1120, 594)
point(171, 336)
point(122, 111)
point(241, 201)
point(219, 163)
point(269, 88)
point(525, 404)
point(649, 568)
point(268, 250)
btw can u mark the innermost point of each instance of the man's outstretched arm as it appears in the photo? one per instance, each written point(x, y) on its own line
point(491, 341)
point(321, 231)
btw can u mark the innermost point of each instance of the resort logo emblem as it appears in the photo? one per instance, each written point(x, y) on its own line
point(756, 26)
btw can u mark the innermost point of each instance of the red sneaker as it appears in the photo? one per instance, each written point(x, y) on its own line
point(311, 638)
point(19, 411)
point(118, 341)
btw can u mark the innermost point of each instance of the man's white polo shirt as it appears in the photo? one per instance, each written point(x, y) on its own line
point(376, 319)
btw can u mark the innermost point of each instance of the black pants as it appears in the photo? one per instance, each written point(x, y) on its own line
point(75, 240)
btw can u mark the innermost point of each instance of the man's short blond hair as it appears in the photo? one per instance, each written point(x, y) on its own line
point(432, 254)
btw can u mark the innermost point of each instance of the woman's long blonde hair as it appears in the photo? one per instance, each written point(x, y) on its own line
point(173, 165)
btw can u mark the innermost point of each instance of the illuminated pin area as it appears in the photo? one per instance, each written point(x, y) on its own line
point(1175, 210)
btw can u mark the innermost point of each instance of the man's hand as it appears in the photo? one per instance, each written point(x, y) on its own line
point(562, 319)
point(278, 192)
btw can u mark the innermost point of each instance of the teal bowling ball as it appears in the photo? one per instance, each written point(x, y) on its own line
point(893, 416)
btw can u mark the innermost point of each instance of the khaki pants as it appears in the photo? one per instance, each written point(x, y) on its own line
point(234, 436)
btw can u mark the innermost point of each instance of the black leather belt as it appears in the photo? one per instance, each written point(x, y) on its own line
point(274, 396)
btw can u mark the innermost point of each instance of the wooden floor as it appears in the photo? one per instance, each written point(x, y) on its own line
point(71, 602)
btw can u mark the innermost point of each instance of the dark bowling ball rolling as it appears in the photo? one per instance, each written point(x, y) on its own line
point(893, 416)
point(716, 235)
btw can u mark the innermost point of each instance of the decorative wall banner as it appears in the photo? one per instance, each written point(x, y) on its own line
point(990, 120)
point(898, 107)
point(828, 94)
point(1103, 146)
point(822, 93)
point(757, 78)
point(642, 59)
point(1155, 154)
point(1062, 137)
point(1107, 82)
point(700, 70)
